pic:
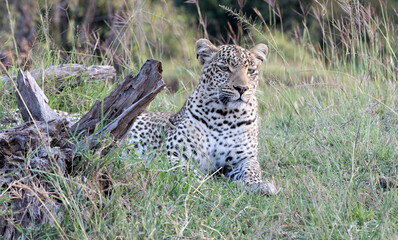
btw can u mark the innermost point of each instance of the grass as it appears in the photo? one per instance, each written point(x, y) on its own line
point(328, 135)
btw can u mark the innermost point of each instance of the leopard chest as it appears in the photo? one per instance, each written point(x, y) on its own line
point(226, 137)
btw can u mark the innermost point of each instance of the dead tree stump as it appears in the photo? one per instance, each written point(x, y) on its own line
point(30, 96)
point(44, 138)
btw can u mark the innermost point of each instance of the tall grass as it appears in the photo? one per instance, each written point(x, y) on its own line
point(328, 136)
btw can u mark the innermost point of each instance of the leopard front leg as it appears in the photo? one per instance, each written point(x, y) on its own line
point(254, 183)
point(250, 173)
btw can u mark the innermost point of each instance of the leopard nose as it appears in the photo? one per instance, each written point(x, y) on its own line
point(241, 89)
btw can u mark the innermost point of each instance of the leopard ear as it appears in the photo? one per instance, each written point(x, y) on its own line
point(205, 51)
point(260, 52)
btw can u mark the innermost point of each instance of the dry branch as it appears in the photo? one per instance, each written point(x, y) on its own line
point(59, 74)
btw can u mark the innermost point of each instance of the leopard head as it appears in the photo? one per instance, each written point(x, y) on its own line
point(230, 72)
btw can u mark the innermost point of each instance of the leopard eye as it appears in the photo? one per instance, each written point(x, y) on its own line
point(224, 68)
point(251, 70)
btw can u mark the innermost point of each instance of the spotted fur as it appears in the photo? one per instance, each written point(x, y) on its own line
point(217, 126)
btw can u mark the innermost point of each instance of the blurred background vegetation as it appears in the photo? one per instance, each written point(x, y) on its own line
point(126, 32)
point(312, 42)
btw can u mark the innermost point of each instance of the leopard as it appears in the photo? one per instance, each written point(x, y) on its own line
point(217, 127)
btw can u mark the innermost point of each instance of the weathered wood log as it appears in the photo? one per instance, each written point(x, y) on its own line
point(59, 74)
point(125, 94)
point(29, 199)
point(31, 100)
point(45, 141)
point(120, 126)
point(16, 142)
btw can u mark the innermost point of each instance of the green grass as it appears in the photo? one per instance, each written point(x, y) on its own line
point(328, 133)
point(326, 148)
